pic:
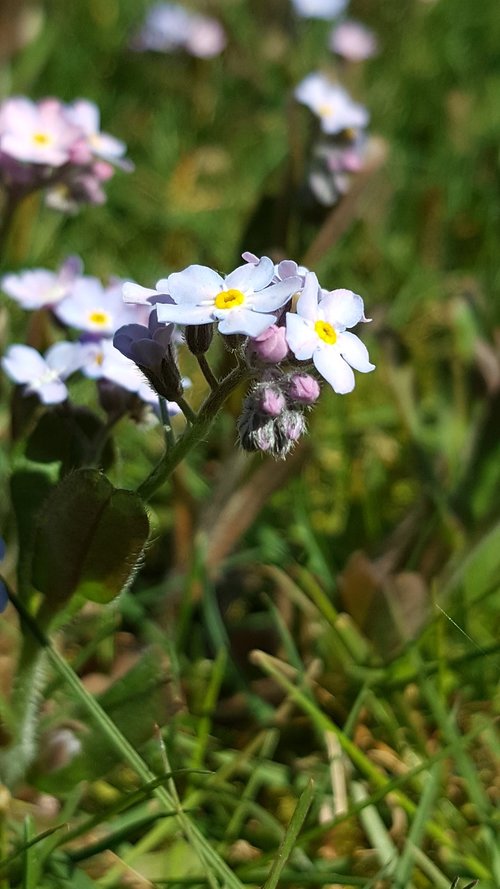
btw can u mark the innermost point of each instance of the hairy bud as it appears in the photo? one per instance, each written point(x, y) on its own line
point(199, 337)
point(303, 388)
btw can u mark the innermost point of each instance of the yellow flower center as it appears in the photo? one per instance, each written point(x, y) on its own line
point(41, 138)
point(99, 318)
point(325, 109)
point(326, 332)
point(228, 299)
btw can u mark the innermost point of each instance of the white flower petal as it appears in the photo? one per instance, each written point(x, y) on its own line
point(23, 364)
point(354, 351)
point(64, 358)
point(134, 293)
point(275, 296)
point(195, 284)
point(251, 276)
point(334, 369)
point(300, 336)
point(162, 287)
point(307, 305)
point(244, 321)
point(52, 393)
point(342, 308)
point(184, 314)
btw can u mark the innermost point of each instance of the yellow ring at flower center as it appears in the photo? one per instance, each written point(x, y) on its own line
point(228, 299)
point(326, 109)
point(40, 139)
point(326, 332)
point(99, 317)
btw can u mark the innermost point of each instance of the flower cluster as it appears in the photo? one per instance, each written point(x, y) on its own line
point(81, 303)
point(283, 318)
point(59, 148)
point(341, 150)
point(286, 330)
point(169, 27)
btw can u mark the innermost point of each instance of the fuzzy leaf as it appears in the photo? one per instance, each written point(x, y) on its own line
point(89, 539)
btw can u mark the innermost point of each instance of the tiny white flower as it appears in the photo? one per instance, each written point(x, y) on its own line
point(86, 116)
point(43, 375)
point(331, 103)
point(36, 288)
point(242, 302)
point(94, 308)
point(319, 9)
point(36, 132)
point(101, 361)
point(319, 332)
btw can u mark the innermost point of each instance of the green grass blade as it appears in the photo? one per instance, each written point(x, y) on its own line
point(288, 843)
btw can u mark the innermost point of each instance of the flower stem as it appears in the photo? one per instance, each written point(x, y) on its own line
point(8, 212)
point(194, 433)
point(186, 409)
point(167, 426)
point(18, 756)
point(207, 372)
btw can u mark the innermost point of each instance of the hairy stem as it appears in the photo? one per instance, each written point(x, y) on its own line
point(194, 433)
point(18, 756)
point(207, 372)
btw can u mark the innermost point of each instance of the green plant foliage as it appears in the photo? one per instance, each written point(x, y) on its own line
point(88, 540)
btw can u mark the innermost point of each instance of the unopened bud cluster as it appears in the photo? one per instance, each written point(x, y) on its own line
point(273, 419)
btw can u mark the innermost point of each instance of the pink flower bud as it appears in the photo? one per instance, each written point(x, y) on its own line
point(271, 345)
point(272, 401)
point(303, 388)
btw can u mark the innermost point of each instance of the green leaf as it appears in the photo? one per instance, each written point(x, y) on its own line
point(68, 434)
point(89, 539)
point(29, 488)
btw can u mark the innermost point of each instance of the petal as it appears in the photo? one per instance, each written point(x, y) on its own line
point(64, 358)
point(23, 364)
point(134, 293)
point(287, 268)
point(354, 351)
point(251, 276)
point(300, 336)
point(250, 257)
point(52, 393)
point(185, 314)
point(307, 305)
point(342, 308)
point(162, 286)
point(147, 353)
point(275, 296)
point(334, 369)
point(194, 285)
point(244, 321)
point(127, 335)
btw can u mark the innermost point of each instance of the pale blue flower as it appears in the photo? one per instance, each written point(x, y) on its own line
point(36, 288)
point(43, 376)
point(319, 9)
point(95, 309)
point(318, 331)
point(242, 302)
point(333, 105)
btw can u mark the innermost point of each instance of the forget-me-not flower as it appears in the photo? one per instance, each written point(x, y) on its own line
point(36, 288)
point(331, 103)
point(242, 302)
point(318, 331)
point(43, 375)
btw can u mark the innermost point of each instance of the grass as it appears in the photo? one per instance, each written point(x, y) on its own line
point(308, 695)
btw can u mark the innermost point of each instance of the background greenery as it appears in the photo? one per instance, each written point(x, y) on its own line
point(367, 567)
